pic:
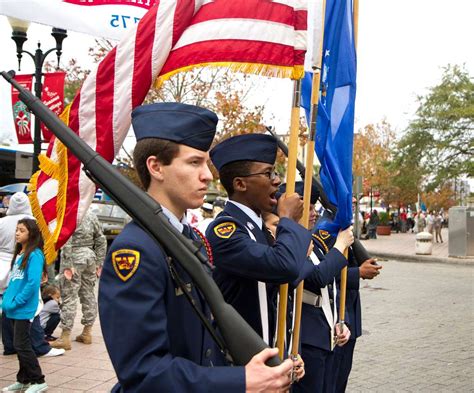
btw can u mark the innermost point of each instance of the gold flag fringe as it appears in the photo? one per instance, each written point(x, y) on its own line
point(296, 72)
point(59, 172)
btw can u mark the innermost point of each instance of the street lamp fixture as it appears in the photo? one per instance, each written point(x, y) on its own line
point(19, 35)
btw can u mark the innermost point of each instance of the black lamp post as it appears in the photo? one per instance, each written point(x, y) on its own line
point(371, 192)
point(19, 36)
point(371, 205)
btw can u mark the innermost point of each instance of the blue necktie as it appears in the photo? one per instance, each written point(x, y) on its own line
point(187, 231)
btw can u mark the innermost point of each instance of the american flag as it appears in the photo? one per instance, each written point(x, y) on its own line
point(259, 36)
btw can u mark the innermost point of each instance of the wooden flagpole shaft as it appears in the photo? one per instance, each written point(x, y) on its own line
point(343, 283)
point(356, 22)
point(308, 180)
point(290, 189)
point(342, 293)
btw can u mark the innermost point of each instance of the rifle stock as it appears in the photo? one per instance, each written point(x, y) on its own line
point(360, 252)
point(241, 340)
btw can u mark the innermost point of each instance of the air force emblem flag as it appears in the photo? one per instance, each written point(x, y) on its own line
point(125, 263)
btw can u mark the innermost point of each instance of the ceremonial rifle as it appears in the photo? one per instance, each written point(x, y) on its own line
point(240, 340)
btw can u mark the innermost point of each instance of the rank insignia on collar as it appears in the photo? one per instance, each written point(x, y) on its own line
point(250, 226)
point(324, 234)
point(225, 230)
point(125, 263)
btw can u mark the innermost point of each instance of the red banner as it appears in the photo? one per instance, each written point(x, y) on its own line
point(52, 96)
point(21, 117)
point(137, 3)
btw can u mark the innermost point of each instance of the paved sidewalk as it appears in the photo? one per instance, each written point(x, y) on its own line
point(85, 368)
point(417, 330)
point(401, 246)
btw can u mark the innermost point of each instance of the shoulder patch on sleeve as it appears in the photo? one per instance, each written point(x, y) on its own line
point(225, 229)
point(324, 234)
point(125, 263)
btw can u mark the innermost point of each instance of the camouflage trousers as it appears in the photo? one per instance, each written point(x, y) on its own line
point(80, 287)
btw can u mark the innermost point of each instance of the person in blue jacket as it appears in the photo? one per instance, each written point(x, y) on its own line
point(368, 269)
point(319, 332)
point(20, 303)
point(154, 338)
point(250, 264)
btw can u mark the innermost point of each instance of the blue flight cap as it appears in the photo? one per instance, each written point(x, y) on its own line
point(181, 123)
point(247, 147)
point(299, 188)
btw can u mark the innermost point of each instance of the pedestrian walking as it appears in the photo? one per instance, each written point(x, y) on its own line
point(420, 222)
point(20, 303)
point(372, 226)
point(438, 222)
point(430, 222)
point(81, 262)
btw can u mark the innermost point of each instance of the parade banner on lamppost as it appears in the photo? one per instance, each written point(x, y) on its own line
point(52, 96)
point(21, 115)
point(102, 18)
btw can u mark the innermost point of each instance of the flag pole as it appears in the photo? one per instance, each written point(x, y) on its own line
point(290, 189)
point(308, 178)
point(343, 282)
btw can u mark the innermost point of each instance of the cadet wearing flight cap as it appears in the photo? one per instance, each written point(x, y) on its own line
point(368, 269)
point(319, 314)
point(154, 338)
point(247, 262)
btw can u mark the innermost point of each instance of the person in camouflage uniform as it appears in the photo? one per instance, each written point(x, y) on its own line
point(81, 263)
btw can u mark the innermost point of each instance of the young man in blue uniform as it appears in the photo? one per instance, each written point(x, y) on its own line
point(319, 332)
point(249, 263)
point(368, 269)
point(154, 338)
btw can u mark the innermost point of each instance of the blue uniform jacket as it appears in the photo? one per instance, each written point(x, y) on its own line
point(154, 339)
point(353, 317)
point(315, 329)
point(241, 262)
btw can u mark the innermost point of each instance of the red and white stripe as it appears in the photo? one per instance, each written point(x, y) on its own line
point(173, 34)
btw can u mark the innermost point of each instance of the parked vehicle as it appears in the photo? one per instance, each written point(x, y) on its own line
point(111, 216)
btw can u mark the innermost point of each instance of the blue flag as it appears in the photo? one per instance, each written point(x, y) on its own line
point(335, 120)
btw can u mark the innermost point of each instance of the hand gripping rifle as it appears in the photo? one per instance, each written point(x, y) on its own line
point(360, 253)
point(239, 341)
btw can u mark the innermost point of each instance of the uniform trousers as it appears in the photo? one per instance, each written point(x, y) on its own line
point(318, 364)
point(342, 365)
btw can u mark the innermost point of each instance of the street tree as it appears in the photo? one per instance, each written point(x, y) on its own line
point(371, 160)
point(441, 136)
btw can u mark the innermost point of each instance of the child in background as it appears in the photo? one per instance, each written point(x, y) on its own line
point(49, 315)
point(20, 303)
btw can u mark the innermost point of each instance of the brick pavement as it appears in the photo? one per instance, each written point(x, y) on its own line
point(418, 324)
point(401, 246)
point(85, 368)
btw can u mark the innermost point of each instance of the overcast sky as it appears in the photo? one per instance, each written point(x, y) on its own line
point(402, 48)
